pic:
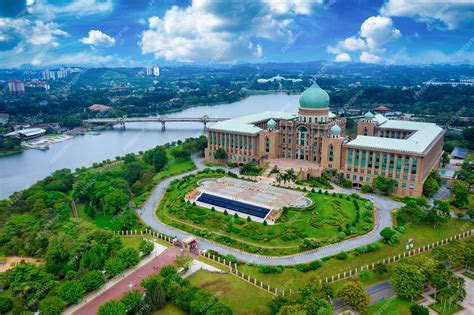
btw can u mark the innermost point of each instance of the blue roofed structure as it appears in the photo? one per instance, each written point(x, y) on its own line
point(459, 153)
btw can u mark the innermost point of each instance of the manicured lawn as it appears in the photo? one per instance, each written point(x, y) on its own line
point(169, 309)
point(447, 309)
point(331, 218)
point(420, 233)
point(393, 305)
point(241, 297)
point(131, 241)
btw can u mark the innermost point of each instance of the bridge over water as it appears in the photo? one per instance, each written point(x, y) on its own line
point(161, 119)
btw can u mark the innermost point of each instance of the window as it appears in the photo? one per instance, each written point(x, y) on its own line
point(357, 158)
point(354, 177)
point(331, 153)
point(309, 119)
point(365, 131)
point(363, 158)
point(384, 162)
point(302, 154)
point(404, 185)
point(412, 186)
point(413, 166)
point(267, 145)
point(399, 163)
point(371, 156)
point(302, 134)
point(367, 179)
point(349, 157)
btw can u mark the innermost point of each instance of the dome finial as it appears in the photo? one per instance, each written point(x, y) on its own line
point(314, 97)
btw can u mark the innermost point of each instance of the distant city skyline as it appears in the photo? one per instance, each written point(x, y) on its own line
point(151, 33)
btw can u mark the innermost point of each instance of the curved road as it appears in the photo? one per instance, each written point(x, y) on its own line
point(383, 218)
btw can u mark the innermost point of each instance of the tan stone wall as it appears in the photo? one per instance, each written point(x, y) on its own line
point(337, 153)
point(362, 124)
point(274, 144)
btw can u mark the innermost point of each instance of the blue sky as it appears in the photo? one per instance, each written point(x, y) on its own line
point(146, 32)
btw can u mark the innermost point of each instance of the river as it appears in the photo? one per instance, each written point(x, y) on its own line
point(20, 171)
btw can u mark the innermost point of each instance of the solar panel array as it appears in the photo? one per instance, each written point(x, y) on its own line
point(238, 206)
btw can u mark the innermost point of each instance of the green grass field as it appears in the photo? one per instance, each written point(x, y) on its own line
point(169, 309)
point(447, 309)
point(241, 297)
point(420, 233)
point(323, 221)
point(393, 305)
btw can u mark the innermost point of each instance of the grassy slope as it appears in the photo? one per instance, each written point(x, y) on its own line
point(241, 297)
point(420, 233)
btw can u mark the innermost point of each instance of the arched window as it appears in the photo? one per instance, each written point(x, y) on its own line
point(267, 145)
point(365, 131)
point(302, 135)
point(331, 153)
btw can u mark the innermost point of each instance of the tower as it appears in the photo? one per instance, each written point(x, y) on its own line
point(366, 126)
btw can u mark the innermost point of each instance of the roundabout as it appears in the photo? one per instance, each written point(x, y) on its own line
point(381, 214)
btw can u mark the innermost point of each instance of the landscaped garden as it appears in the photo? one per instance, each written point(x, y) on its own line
point(330, 218)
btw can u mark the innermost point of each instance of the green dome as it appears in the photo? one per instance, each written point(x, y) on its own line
point(336, 129)
point(314, 97)
point(369, 115)
point(271, 124)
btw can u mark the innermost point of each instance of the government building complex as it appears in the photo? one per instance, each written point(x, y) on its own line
point(314, 140)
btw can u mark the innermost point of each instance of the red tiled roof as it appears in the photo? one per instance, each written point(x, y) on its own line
point(382, 108)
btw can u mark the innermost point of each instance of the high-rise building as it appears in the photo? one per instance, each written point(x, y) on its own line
point(45, 75)
point(153, 70)
point(16, 87)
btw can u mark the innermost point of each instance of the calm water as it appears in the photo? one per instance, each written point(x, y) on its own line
point(20, 171)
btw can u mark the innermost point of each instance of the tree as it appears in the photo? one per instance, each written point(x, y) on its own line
point(387, 233)
point(93, 280)
point(445, 158)
point(354, 294)
point(155, 297)
point(51, 305)
point(114, 266)
point(112, 307)
point(183, 261)
point(384, 184)
point(115, 201)
point(219, 309)
point(30, 282)
point(431, 184)
point(71, 291)
point(127, 219)
point(129, 256)
point(132, 300)
point(201, 302)
point(160, 159)
point(146, 247)
point(220, 154)
point(461, 194)
point(408, 281)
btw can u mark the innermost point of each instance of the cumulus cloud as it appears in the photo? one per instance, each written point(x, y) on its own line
point(378, 30)
point(97, 38)
point(366, 57)
point(449, 13)
point(35, 33)
point(374, 33)
point(221, 31)
point(343, 57)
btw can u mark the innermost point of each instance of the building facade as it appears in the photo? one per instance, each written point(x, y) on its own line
point(404, 151)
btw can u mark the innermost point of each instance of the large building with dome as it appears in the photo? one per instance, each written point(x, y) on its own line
point(314, 140)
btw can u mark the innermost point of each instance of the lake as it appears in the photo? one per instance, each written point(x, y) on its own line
point(20, 171)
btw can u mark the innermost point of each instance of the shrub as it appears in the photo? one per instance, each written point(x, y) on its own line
point(71, 291)
point(341, 256)
point(6, 305)
point(270, 269)
point(416, 309)
point(366, 189)
point(366, 274)
point(146, 247)
point(93, 280)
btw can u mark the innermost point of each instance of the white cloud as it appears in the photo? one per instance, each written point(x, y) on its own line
point(378, 30)
point(450, 13)
point(366, 57)
point(344, 57)
point(97, 38)
point(35, 33)
point(79, 8)
point(375, 32)
point(221, 31)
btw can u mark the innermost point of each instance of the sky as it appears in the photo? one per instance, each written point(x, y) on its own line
point(164, 32)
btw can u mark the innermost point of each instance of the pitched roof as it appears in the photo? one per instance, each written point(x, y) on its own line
point(424, 134)
point(459, 152)
point(246, 124)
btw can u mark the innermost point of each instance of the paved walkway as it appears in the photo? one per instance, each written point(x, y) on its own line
point(115, 288)
point(468, 302)
point(383, 218)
